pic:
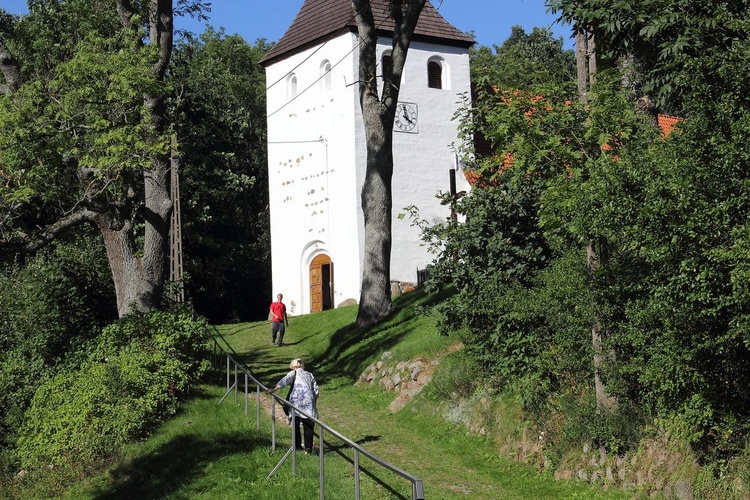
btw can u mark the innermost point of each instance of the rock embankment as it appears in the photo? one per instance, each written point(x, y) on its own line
point(406, 378)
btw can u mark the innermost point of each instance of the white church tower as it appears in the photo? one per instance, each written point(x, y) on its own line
point(317, 154)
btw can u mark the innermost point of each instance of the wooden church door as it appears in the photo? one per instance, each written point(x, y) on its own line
point(321, 284)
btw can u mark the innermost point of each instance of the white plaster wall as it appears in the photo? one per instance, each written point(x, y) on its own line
point(422, 161)
point(311, 158)
point(315, 142)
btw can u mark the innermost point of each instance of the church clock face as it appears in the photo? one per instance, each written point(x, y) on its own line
point(406, 118)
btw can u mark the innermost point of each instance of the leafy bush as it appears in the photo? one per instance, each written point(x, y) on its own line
point(132, 378)
point(51, 304)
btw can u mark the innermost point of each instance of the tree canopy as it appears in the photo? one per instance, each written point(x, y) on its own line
point(666, 217)
point(523, 60)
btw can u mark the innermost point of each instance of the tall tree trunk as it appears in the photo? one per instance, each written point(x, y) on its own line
point(139, 282)
point(377, 205)
point(378, 113)
point(586, 69)
point(10, 70)
point(124, 264)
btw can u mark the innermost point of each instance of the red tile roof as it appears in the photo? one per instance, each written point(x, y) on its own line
point(666, 123)
point(321, 20)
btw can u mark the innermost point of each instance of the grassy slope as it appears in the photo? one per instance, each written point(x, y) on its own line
point(212, 450)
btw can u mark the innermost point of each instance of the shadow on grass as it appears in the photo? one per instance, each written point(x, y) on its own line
point(350, 346)
point(173, 465)
point(341, 451)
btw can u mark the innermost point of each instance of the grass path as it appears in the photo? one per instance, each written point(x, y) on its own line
point(452, 462)
point(212, 451)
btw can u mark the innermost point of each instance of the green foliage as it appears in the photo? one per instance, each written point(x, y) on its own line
point(580, 421)
point(523, 60)
point(79, 119)
point(131, 378)
point(662, 37)
point(220, 95)
point(665, 221)
point(455, 378)
point(48, 307)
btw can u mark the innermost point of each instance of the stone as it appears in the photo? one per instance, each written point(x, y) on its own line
point(378, 365)
point(582, 475)
point(683, 490)
point(586, 447)
point(610, 476)
point(396, 379)
point(415, 372)
point(387, 355)
point(622, 474)
point(639, 479)
point(347, 302)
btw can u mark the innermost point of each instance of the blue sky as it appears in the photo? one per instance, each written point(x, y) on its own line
point(490, 20)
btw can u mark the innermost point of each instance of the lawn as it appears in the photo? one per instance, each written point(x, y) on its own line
point(212, 450)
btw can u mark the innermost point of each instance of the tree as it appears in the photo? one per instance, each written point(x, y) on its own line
point(667, 218)
point(219, 108)
point(523, 60)
point(84, 136)
point(378, 111)
point(657, 38)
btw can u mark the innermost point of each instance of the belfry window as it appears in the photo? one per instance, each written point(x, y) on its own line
point(325, 75)
point(434, 75)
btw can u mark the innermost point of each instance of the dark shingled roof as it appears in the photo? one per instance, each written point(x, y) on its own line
point(321, 20)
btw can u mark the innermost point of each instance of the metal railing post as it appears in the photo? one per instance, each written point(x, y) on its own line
point(416, 483)
point(236, 381)
point(356, 474)
point(257, 408)
point(273, 425)
point(294, 443)
point(320, 452)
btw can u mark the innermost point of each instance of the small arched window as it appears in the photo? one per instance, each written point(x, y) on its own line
point(291, 86)
point(434, 75)
point(325, 75)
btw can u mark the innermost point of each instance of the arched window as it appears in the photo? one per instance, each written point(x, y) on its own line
point(291, 86)
point(325, 75)
point(434, 74)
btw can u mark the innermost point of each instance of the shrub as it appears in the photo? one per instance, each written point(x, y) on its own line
point(49, 305)
point(133, 377)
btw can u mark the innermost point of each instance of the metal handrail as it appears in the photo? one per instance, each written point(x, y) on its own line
point(417, 485)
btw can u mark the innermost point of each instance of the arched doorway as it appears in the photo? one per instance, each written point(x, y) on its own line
point(321, 283)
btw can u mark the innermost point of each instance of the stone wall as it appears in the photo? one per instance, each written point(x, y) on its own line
point(405, 378)
point(660, 467)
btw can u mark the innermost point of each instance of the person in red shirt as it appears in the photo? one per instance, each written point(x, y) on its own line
point(278, 320)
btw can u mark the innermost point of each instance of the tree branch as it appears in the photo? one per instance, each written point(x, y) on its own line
point(32, 244)
point(10, 69)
